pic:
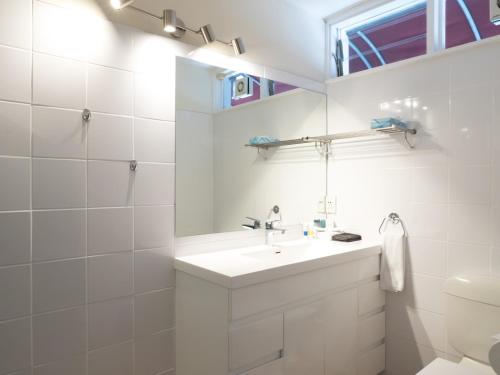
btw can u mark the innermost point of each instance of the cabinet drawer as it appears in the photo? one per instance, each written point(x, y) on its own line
point(370, 298)
point(261, 297)
point(369, 267)
point(255, 341)
point(371, 330)
point(272, 368)
point(373, 362)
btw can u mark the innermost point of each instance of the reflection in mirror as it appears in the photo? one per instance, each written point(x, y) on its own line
point(220, 181)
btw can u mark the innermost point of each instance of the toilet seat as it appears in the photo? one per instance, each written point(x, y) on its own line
point(443, 367)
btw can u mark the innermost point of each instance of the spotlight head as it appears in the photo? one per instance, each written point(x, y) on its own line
point(208, 34)
point(238, 46)
point(169, 21)
point(120, 4)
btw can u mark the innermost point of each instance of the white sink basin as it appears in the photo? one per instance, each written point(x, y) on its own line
point(245, 266)
point(284, 254)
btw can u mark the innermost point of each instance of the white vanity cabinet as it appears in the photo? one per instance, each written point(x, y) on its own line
point(326, 321)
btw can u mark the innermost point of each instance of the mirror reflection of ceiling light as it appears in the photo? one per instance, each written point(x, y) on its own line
point(175, 27)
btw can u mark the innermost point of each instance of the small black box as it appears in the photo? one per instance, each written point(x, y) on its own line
point(346, 237)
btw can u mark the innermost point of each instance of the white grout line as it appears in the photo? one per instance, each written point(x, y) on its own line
point(134, 77)
point(32, 347)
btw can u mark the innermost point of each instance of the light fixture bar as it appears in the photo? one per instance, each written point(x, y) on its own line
point(185, 28)
point(176, 27)
point(145, 12)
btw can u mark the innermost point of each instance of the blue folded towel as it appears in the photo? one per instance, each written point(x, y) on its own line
point(260, 139)
point(381, 123)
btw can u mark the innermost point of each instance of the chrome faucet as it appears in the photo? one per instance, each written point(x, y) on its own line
point(255, 223)
point(271, 228)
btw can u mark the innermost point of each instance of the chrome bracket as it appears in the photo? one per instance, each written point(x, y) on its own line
point(411, 131)
point(323, 148)
point(86, 115)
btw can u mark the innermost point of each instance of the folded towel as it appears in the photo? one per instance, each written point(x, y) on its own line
point(392, 273)
point(260, 139)
point(381, 123)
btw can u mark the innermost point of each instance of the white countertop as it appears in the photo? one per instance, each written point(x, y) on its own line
point(241, 267)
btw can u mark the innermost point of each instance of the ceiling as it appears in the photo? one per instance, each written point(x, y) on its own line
point(268, 27)
point(323, 8)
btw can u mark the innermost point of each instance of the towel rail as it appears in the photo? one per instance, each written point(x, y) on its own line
point(330, 138)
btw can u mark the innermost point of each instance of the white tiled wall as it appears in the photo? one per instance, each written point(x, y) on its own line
point(86, 245)
point(195, 155)
point(446, 190)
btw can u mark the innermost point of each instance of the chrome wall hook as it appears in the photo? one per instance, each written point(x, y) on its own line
point(133, 165)
point(86, 115)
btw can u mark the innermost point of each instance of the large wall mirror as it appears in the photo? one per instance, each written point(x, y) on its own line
point(219, 180)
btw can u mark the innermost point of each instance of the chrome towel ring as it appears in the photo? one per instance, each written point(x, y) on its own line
point(394, 218)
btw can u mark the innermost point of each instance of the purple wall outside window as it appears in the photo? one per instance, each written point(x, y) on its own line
point(280, 87)
point(400, 37)
point(458, 30)
point(397, 37)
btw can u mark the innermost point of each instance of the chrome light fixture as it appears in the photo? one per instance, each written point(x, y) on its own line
point(169, 21)
point(208, 34)
point(238, 46)
point(120, 4)
point(175, 27)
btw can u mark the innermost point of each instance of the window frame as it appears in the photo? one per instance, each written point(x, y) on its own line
point(360, 13)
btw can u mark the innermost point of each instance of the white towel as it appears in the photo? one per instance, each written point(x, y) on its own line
point(392, 273)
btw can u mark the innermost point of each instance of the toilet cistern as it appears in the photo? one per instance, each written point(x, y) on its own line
point(271, 228)
point(472, 322)
point(494, 354)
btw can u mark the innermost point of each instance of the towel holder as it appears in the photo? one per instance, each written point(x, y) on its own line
point(393, 218)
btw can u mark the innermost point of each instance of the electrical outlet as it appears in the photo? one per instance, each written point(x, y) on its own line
point(322, 206)
point(331, 204)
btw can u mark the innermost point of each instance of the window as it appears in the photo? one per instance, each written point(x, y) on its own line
point(364, 37)
point(381, 36)
point(468, 21)
point(241, 88)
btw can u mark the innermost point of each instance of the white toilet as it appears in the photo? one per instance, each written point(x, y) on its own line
point(473, 324)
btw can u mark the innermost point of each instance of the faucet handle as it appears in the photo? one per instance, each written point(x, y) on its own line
point(274, 216)
point(273, 212)
point(256, 223)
